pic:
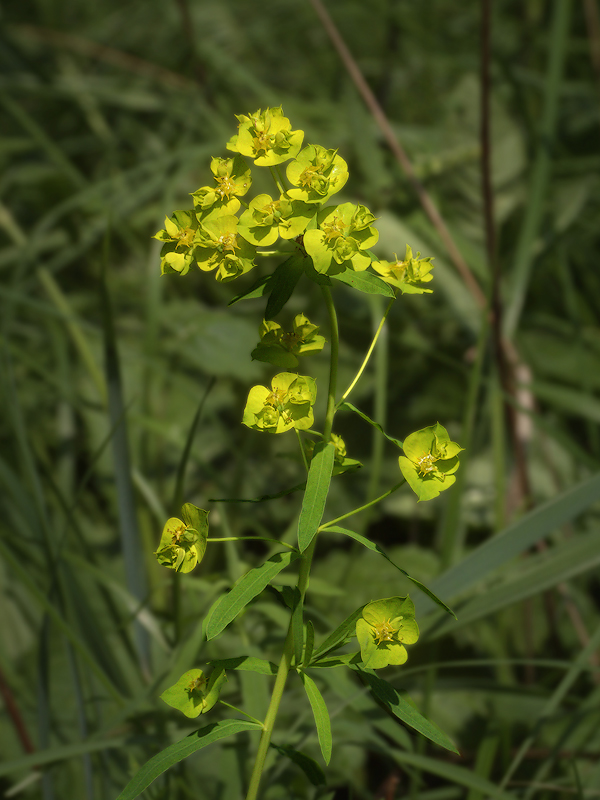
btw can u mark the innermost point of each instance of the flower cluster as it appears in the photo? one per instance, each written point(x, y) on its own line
point(288, 404)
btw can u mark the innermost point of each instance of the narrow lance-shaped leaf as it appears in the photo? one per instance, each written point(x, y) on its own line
point(315, 497)
point(321, 715)
point(245, 590)
point(404, 711)
point(308, 765)
point(376, 549)
point(365, 282)
point(180, 750)
point(285, 278)
point(342, 634)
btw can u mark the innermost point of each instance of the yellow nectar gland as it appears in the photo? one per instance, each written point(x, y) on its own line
point(262, 141)
point(309, 174)
point(291, 338)
point(385, 632)
point(197, 684)
point(426, 464)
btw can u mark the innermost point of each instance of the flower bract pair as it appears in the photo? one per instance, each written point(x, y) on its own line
point(430, 461)
point(384, 629)
point(195, 693)
point(288, 404)
point(407, 275)
point(183, 542)
point(282, 348)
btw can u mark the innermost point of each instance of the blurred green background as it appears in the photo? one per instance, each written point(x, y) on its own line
point(110, 114)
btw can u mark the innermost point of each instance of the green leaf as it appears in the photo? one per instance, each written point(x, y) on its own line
point(285, 278)
point(365, 282)
point(342, 634)
point(246, 589)
point(347, 405)
point(246, 664)
point(404, 711)
point(376, 549)
point(259, 288)
point(315, 497)
point(310, 643)
point(321, 715)
point(308, 765)
point(180, 750)
point(330, 662)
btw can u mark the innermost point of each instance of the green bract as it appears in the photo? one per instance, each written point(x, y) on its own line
point(183, 544)
point(281, 348)
point(318, 173)
point(431, 461)
point(195, 693)
point(233, 179)
point(266, 136)
point(385, 627)
point(177, 253)
point(220, 247)
point(405, 275)
point(266, 219)
point(287, 405)
point(343, 233)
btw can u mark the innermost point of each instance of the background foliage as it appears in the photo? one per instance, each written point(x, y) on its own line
point(111, 112)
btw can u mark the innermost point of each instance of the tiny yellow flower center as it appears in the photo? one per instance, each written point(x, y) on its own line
point(227, 241)
point(276, 397)
point(291, 338)
point(178, 533)
point(197, 684)
point(385, 632)
point(185, 236)
point(262, 141)
point(426, 463)
point(310, 175)
point(333, 230)
point(225, 187)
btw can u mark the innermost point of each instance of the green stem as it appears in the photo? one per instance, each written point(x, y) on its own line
point(244, 538)
point(369, 353)
point(362, 508)
point(277, 180)
point(303, 572)
point(282, 673)
point(335, 342)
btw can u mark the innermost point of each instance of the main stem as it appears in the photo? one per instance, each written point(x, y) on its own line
point(303, 573)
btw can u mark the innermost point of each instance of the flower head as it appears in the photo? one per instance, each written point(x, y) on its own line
point(195, 693)
point(232, 179)
point(408, 274)
point(344, 233)
point(220, 248)
point(266, 136)
point(317, 173)
point(183, 543)
point(430, 461)
point(383, 630)
point(287, 405)
point(282, 348)
point(267, 219)
point(178, 235)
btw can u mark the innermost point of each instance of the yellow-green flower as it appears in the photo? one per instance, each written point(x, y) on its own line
point(195, 693)
point(430, 461)
point(266, 136)
point(178, 235)
point(317, 173)
point(343, 235)
point(267, 219)
point(183, 543)
point(408, 274)
point(232, 179)
point(220, 248)
point(288, 404)
point(282, 348)
point(384, 629)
